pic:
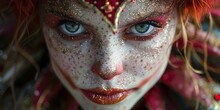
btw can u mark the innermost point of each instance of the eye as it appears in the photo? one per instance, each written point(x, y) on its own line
point(70, 28)
point(144, 29)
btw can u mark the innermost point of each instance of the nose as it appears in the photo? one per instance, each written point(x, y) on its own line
point(108, 59)
point(107, 73)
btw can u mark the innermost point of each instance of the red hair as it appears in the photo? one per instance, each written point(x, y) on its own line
point(196, 8)
point(24, 8)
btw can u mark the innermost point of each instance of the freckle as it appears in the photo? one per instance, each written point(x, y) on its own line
point(76, 77)
point(72, 56)
point(145, 67)
point(135, 61)
point(133, 67)
point(90, 56)
point(109, 58)
point(80, 66)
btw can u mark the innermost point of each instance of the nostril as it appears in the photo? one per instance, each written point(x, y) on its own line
point(106, 75)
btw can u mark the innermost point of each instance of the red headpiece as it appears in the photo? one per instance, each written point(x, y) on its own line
point(111, 10)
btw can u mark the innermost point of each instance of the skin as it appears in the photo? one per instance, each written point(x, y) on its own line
point(101, 58)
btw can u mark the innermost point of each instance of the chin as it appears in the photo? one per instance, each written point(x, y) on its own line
point(126, 103)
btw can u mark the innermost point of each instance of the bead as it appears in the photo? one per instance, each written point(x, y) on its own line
point(108, 8)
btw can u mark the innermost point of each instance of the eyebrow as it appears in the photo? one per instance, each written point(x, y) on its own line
point(144, 18)
point(71, 17)
point(67, 16)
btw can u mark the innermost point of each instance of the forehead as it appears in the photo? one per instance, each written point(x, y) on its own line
point(131, 11)
point(54, 3)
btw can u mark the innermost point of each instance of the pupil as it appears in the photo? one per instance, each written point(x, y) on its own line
point(72, 27)
point(142, 28)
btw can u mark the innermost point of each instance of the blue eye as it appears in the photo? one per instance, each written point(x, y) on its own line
point(71, 28)
point(143, 29)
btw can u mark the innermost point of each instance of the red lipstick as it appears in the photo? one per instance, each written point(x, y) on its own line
point(105, 97)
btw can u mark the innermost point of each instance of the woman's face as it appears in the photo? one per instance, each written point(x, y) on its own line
point(102, 67)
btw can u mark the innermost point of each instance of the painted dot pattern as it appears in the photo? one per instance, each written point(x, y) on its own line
point(139, 59)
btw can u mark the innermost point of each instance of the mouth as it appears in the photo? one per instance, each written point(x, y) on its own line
point(106, 97)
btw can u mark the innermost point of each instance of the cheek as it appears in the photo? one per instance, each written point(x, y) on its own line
point(143, 57)
point(142, 61)
point(75, 58)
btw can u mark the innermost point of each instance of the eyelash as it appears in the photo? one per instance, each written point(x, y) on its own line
point(157, 26)
point(75, 37)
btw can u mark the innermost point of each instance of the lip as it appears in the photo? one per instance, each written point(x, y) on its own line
point(106, 97)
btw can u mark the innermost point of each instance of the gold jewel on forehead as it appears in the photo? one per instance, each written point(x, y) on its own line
point(107, 7)
point(110, 9)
